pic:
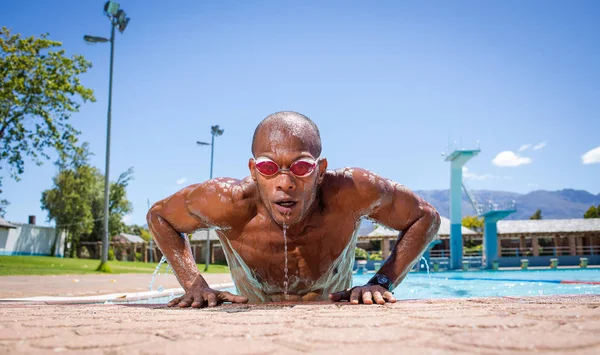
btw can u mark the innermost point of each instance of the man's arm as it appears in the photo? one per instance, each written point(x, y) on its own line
point(205, 205)
point(396, 207)
point(417, 220)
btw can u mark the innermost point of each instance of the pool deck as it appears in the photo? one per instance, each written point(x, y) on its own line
point(88, 285)
point(552, 325)
point(516, 325)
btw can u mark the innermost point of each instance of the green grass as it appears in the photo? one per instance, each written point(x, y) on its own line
point(46, 265)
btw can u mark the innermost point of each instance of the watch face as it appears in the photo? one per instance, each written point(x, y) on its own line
point(382, 279)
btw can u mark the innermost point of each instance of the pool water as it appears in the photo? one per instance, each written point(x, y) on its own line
point(462, 284)
point(495, 284)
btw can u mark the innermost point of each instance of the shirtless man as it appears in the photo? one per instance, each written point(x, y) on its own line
point(290, 190)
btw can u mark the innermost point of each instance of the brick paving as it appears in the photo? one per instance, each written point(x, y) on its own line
point(521, 325)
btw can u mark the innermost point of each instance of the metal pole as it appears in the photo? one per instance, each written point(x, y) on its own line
point(212, 154)
point(105, 240)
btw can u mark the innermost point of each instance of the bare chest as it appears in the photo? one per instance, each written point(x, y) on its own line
point(310, 253)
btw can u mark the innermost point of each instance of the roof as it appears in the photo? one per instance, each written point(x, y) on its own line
point(200, 235)
point(531, 226)
point(131, 238)
point(445, 228)
point(5, 224)
point(382, 231)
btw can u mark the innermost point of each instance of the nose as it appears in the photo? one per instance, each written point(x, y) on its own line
point(285, 182)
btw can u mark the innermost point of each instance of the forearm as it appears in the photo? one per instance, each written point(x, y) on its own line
point(176, 249)
point(411, 245)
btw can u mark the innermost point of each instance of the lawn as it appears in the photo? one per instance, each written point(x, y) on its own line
point(46, 265)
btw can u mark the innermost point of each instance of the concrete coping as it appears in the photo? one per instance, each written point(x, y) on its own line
point(112, 297)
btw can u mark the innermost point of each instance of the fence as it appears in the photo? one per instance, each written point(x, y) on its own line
point(551, 251)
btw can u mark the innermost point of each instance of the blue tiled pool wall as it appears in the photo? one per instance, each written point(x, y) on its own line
point(509, 261)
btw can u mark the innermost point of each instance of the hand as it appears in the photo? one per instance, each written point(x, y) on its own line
point(368, 294)
point(200, 295)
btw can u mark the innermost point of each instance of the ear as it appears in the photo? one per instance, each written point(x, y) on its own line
point(322, 170)
point(251, 166)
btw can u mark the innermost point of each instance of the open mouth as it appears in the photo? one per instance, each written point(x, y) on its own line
point(285, 207)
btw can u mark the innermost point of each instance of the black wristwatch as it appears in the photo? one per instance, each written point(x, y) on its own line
point(382, 281)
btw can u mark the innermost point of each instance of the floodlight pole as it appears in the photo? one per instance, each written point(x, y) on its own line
point(214, 131)
point(106, 239)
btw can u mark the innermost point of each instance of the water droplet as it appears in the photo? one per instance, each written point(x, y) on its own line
point(160, 288)
point(285, 267)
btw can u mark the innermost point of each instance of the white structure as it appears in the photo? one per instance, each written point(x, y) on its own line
point(29, 239)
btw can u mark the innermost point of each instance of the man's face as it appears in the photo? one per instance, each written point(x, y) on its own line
point(287, 197)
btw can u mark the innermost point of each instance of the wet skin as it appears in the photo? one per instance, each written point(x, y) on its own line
point(326, 207)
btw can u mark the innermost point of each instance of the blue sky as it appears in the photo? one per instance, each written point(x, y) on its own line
point(389, 83)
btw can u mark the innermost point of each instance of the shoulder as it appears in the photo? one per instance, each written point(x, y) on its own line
point(222, 201)
point(358, 187)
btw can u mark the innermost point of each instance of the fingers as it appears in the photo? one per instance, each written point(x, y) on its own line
point(355, 295)
point(229, 297)
point(367, 297)
point(378, 298)
point(340, 296)
point(388, 296)
point(365, 294)
point(212, 299)
point(198, 302)
point(174, 301)
point(186, 301)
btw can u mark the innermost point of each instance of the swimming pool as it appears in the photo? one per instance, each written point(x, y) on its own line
point(496, 284)
point(462, 284)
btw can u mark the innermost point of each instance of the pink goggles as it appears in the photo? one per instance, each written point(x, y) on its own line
point(300, 168)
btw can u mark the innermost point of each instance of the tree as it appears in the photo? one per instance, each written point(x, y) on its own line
point(592, 212)
point(68, 202)
point(536, 215)
point(3, 204)
point(39, 90)
point(76, 201)
point(474, 223)
point(118, 207)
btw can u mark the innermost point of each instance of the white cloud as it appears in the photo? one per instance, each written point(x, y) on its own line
point(181, 181)
point(126, 218)
point(540, 145)
point(508, 158)
point(524, 147)
point(473, 176)
point(592, 156)
point(533, 185)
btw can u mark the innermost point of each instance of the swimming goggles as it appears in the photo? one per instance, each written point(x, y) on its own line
point(300, 168)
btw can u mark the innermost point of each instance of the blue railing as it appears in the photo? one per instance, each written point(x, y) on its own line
point(492, 206)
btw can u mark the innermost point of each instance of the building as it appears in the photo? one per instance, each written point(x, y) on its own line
point(198, 245)
point(540, 240)
point(567, 240)
point(128, 238)
point(29, 239)
point(128, 247)
point(370, 232)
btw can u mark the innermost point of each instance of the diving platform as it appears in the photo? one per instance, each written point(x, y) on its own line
point(457, 159)
point(491, 214)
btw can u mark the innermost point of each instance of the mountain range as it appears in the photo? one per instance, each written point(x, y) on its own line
point(562, 204)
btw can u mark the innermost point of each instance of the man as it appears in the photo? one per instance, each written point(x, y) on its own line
point(289, 229)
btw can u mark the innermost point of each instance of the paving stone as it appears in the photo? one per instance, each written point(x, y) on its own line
point(460, 326)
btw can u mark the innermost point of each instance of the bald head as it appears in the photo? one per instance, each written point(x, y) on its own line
point(292, 124)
